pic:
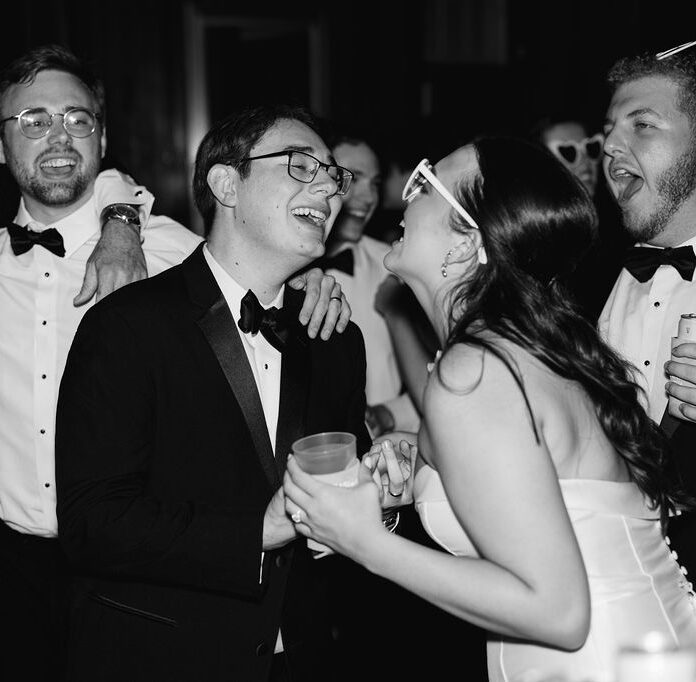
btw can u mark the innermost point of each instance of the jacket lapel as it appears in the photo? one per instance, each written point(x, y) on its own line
point(294, 381)
point(219, 328)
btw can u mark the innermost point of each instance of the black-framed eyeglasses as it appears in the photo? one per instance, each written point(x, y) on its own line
point(304, 168)
point(35, 123)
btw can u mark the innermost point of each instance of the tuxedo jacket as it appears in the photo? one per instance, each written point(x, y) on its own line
point(164, 470)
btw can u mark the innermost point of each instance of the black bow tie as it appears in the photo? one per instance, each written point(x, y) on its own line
point(22, 239)
point(342, 261)
point(271, 322)
point(642, 262)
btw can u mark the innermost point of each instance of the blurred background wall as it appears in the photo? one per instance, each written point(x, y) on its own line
point(425, 75)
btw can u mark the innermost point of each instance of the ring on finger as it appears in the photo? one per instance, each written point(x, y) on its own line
point(335, 298)
point(296, 516)
point(395, 494)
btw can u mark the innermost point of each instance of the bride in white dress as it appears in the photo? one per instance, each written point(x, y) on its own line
point(538, 471)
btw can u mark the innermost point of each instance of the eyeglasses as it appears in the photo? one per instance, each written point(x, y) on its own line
point(35, 123)
point(570, 151)
point(304, 168)
point(424, 173)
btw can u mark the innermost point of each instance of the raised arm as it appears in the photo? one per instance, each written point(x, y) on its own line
point(118, 258)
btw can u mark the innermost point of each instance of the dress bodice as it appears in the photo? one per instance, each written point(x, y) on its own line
point(636, 584)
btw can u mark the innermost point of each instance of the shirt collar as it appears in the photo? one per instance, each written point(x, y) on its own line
point(75, 228)
point(231, 289)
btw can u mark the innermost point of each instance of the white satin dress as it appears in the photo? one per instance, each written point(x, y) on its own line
point(636, 583)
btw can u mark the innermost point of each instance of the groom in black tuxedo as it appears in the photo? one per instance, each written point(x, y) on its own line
point(180, 401)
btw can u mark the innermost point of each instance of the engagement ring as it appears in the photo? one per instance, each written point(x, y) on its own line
point(297, 516)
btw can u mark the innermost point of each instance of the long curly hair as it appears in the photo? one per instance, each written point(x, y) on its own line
point(536, 223)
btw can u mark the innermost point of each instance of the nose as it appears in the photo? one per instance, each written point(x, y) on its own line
point(324, 183)
point(57, 131)
point(613, 142)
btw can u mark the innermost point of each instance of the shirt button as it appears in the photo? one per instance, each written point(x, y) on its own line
point(42, 431)
point(47, 274)
point(262, 649)
point(265, 365)
point(43, 376)
point(44, 323)
point(47, 485)
point(656, 304)
point(279, 561)
point(646, 363)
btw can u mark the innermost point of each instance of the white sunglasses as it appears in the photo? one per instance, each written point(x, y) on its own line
point(424, 173)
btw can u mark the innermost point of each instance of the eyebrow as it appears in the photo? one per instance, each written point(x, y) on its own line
point(307, 150)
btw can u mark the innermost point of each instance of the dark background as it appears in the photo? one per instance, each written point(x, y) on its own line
point(422, 77)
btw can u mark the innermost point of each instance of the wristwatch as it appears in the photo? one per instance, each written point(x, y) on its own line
point(125, 213)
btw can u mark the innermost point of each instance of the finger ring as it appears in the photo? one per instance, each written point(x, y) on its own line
point(395, 494)
point(297, 516)
point(335, 298)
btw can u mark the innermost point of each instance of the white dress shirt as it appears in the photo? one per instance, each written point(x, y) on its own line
point(264, 360)
point(38, 324)
point(640, 318)
point(384, 382)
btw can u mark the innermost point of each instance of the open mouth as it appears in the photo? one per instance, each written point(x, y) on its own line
point(309, 215)
point(627, 183)
point(58, 165)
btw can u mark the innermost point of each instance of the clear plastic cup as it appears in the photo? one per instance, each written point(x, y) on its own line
point(325, 453)
point(332, 458)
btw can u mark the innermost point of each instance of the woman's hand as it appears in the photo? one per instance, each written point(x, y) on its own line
point(345, 519)
point(393, 470)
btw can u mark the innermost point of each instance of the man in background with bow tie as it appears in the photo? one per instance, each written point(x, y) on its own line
point(52, 139)
point(356, 260)
point(171, 508)
point(650, 166)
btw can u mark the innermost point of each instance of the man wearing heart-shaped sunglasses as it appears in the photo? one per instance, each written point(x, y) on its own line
point(576, 149)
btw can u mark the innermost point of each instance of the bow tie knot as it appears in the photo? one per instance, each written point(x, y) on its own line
point(22, 239)
point(643, 262)
point(271, 322)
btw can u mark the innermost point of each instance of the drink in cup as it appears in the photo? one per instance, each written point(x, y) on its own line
point(331, 457)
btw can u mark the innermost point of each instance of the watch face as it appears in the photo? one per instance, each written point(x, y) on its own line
point(123, 212)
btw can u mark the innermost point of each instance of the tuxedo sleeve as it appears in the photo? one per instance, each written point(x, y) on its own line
point(110, 522)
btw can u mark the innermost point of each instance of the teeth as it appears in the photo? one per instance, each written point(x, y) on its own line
point(316, 215)
point(57, 163)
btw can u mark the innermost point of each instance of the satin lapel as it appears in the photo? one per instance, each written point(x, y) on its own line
point(294, 383)
point(218, 327)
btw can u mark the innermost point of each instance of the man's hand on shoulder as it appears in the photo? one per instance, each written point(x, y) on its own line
point(117, 259)
point(324, 301)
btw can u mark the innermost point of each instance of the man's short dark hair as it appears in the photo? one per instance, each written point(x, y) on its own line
point(680, 68)
point(24, 70)
point(231, 140)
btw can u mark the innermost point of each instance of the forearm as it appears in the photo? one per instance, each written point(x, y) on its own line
point(477, 591)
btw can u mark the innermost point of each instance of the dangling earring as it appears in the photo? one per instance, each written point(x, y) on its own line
point(443, 267)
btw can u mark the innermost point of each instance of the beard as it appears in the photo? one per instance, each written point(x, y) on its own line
point(674, 186)
point(54, 192)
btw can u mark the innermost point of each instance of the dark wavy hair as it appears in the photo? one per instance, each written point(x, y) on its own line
point(536, 223)
point(231, 140)
point(679, 68)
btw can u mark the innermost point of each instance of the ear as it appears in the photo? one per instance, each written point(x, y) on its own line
point(102, 142)
point(222, 181)
point(466, 249)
